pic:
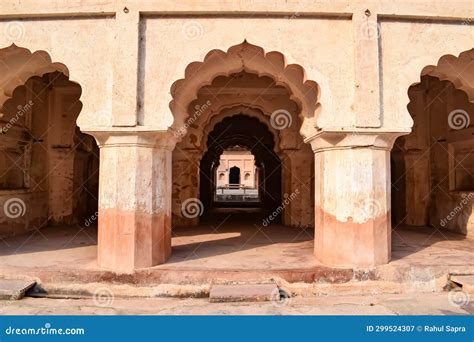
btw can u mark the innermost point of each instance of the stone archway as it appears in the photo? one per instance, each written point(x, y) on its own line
point(350, 180)
point(253, 60)
point(235, 88)
point(250, 133)
point(434, 165)
point(48, 168)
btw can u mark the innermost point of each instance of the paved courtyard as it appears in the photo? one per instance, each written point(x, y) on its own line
point(388, 304)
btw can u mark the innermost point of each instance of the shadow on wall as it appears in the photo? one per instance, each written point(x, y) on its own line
point(433, 167)
point(48, 168)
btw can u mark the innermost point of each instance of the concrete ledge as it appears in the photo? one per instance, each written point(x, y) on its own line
point(14, 289)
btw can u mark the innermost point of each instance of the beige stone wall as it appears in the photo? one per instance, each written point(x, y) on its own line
point(344, 62)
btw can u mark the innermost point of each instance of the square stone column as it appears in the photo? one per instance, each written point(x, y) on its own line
point(134, 199)
point(352, 198)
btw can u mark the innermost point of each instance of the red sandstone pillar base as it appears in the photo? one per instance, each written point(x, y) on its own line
point(134, 200)
point(352, 198)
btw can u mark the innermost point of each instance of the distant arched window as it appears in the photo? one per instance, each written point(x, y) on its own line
point(221, 176)
point(247, 176)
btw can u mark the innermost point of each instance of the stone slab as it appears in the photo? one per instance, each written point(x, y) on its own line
point(466, 281)
point(243, 293)
point(14, 289)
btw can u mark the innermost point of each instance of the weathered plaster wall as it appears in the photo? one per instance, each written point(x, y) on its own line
point(83, 44)
point(406, 48)
point(327, 58)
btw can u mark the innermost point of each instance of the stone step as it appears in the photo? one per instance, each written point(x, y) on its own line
point(465, 281)
point(244, 293)
point(14, 289)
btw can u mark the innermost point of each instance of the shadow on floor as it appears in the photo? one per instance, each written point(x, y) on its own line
point(226, 232)
point(49, 238)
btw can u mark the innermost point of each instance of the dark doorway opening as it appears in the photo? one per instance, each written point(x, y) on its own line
point(234, 175)
point(253, 135)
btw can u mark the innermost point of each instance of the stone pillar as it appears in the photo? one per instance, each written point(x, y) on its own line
point(134, 199)
point(352, 198)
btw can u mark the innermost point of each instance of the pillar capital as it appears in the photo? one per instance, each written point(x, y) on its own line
point(133, 137)
point(340, 139)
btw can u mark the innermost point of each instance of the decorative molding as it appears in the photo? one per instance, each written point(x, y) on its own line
point(252, 59)
point(18, 65)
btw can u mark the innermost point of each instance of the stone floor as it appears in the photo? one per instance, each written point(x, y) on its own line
point(235, 249)
point(388, 304)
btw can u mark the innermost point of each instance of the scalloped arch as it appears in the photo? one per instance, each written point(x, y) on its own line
point(18, 64)
point(252, 59)
point(264, 108)
point(232, 111)
point(457, 70)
